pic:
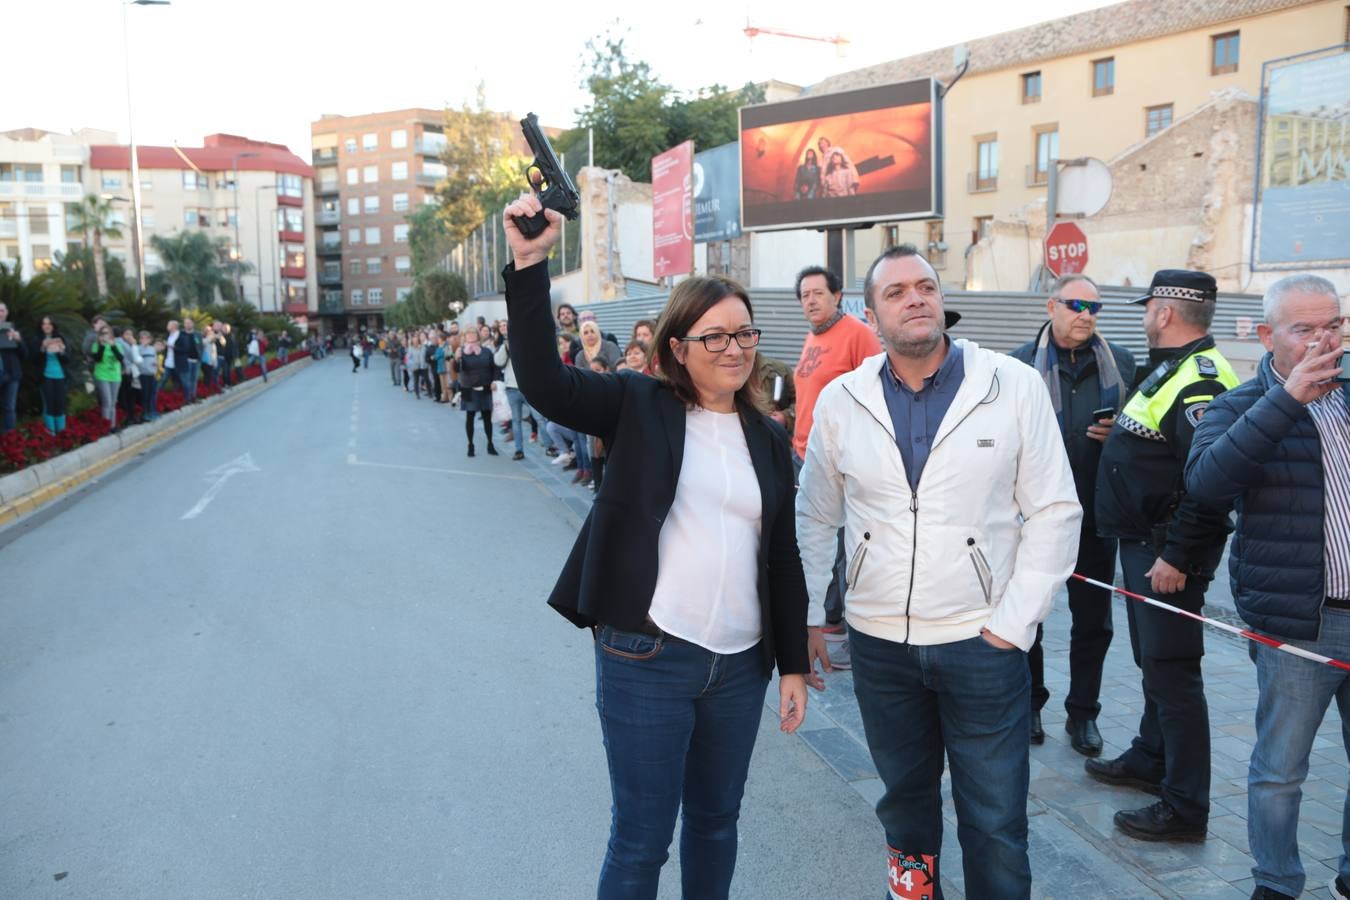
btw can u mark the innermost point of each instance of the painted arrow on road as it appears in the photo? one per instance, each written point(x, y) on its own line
point(218, 476)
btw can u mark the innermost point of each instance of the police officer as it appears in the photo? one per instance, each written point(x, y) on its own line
point(1170, 545)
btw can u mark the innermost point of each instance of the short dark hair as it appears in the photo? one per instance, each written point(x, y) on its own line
point(832, 281)
point(896, 252)
point(562, 306)
point(690, 299)
point(651, 326)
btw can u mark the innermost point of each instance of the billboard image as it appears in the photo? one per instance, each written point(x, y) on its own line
point(673, 211)
point(859, 156)
point(1302, 213)
point(717, 194)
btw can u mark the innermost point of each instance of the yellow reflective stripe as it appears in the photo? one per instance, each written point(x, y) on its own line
point(1198, 399)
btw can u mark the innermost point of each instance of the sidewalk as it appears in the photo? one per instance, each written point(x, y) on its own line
point(1076, 851)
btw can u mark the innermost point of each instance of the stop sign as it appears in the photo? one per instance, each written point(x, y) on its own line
point(1066, 250)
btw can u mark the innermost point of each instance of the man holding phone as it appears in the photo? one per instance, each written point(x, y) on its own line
point(1088, 379)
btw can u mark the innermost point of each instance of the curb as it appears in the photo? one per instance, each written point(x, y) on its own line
point(30, 489)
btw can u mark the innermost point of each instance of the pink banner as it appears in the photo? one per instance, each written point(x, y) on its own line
point(673, 211)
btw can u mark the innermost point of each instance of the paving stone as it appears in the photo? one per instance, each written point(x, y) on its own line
point(1198, 883)
point(842, 753)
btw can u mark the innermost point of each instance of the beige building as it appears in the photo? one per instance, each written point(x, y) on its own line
point(1109, 83)
point(371, 172)
point(252, 196)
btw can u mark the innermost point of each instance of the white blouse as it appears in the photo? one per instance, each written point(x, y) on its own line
point(708, 552)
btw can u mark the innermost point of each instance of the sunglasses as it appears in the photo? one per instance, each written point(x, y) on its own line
point(1082, 306)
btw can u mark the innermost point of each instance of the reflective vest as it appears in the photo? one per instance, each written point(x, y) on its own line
point(1144, 412)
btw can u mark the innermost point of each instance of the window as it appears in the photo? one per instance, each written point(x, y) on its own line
point(225, 181)
point(37, 220)
point(190, 216)
point(293, 220)
point(332, 271)
point(1047, 149)
point(373, 265)
point(400, 234)
point(937, 246)
point(290, 186)
point(373, 235)
point(227, 217)
point(1156, 118)
point(403, 293)
point(191, 181)
point(358, 297)
point(349, 145)
point(375, 295)
point(146, 182)
point(147, 217)
point(370, 174)
point(1031, 87)
point(398, 139)
point(1103, 77)
point(70, 174)
point(399, 171)
point(372, 203)
point(42, 257)
point(353, 176)
point(108, 182)
point(984, 225)
point(402, 264)
point(370, 142)
point(331, 240)
point(354, 267)
point(986, 163)
point(1224, 53)
point(21, 172)
point(354, 235)
point(400, 203)
point(328, 180)
point(353, 206)
point(295, 256)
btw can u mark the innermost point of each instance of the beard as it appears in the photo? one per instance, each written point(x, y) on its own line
point(914, 347)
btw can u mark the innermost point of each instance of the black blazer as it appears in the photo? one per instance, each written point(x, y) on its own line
point(610, 576)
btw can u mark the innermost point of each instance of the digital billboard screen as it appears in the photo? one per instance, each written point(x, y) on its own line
point(869, 155)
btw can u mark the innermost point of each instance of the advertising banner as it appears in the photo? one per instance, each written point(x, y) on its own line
point(717, 193)
point(1303, 165)
point(859, 156)
point(673, 211)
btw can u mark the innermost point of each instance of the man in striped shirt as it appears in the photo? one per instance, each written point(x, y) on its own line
point(1278, 449)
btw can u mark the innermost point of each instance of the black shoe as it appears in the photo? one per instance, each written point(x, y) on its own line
point(1158, 822)
point(1037, 732)
point(1339, 888)
point(1265, 893)
point(570, 466)
point(518, 455)
point(492, 450)
point(1113, 771)
point(1084, 736)
point(471, 450)
point(551, 451)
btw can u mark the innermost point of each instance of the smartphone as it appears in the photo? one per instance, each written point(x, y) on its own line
point(1105, 412)
point(1345, 367)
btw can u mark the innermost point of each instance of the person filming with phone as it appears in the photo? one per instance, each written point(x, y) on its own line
point(686, 569)
point(1088, 379)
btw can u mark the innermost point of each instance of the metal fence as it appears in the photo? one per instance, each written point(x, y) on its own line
point(1000, 321)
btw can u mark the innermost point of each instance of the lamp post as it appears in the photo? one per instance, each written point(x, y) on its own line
point(238, 247)
point(137, 245)
point(257, 224)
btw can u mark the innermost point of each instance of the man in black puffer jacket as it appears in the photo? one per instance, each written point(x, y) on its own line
point(1278, 449)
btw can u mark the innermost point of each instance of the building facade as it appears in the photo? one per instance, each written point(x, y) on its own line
point(251, 197)
point(371, 172)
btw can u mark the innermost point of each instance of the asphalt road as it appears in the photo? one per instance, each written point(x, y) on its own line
point(302, 652)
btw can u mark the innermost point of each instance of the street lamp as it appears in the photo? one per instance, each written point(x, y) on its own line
point(257, 225)
point(238, 248)
point(137, 245)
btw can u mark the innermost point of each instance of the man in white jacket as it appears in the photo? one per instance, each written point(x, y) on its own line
point(944, 465)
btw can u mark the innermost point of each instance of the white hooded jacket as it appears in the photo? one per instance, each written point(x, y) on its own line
point(985, 541)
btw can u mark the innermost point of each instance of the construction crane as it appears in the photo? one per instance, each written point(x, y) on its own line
point(840, 42)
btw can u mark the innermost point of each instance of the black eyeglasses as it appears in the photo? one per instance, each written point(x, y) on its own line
point(717, 341)
point(1082, 306)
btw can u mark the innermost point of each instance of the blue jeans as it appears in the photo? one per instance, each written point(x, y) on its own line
point(565, 438)
point(971, 700)
point(9, 403)
point(679, 724)
point(519, 410)
point(261, 361)
point(1292, 701)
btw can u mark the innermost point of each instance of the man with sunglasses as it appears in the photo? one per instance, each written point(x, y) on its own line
point(1170, 545)
point(1088, 379)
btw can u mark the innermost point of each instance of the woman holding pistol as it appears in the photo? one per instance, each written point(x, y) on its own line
point(686, 568)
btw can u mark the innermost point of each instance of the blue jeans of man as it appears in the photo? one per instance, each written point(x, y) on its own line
point(567, 438)
point(9, 403)
point(1292, 701)
point(261, 361)
point(519, 410)
point(970, 700)
point(679, 725)
point(187, 372)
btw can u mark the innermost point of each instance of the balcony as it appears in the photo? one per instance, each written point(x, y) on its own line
point(327, 155)
point(330, 248)
point(9, 228)
point(297, 272)
point(40, 190)
point(977, 185)
point(1037, 177)
point(428, 180)
point(297, 307)
point(330, 303)
point(293, 237)
point(331, 278)
point(325, 188)
point(430, 145)
point(329, 217)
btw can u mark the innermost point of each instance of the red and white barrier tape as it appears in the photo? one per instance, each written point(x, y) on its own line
point(1224, 626)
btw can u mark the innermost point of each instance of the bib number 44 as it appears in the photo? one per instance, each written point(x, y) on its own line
point(911, 877)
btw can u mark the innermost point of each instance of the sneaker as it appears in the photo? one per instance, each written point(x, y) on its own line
point(570, 465)
point(1265, 893)
point(563, 459)
point(1339, 888)
point(534, 438)
point(518, 455)
point(550, 451)
point(839, 655)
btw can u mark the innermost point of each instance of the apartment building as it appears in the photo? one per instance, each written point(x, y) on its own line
point(253, 196)
point(1101, 84)
point(42, 174)
point(371, 171)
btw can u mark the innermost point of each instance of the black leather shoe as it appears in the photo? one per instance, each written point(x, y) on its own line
point(1084, 736)
point(1265, 893)
point(518, 455)
point(492, 451)
point(1158, 822)
point(471, 449)
point(1037, 732)
point(1113, 771)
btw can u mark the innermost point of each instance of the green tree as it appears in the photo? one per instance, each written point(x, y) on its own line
point(194, 269)
point(477, 140)
point(627, 114)
point(92, 216)
point(429, 238)
point(46, 294)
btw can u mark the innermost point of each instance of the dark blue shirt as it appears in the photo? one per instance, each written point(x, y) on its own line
point(916, 415)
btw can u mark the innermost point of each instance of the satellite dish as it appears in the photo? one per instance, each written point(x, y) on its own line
point(1084, 187)
point(960, 55)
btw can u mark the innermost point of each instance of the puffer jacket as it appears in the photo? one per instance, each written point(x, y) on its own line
point(1257, 450)
point(985, 540)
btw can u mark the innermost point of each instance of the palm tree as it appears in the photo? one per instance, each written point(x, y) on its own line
point(193, 268)
point(92, 216)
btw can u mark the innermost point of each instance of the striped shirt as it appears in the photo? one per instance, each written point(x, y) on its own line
point(1331, 415)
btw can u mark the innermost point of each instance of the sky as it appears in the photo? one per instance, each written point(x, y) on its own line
point(267, 68)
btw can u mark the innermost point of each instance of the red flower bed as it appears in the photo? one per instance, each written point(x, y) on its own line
point(31, 442)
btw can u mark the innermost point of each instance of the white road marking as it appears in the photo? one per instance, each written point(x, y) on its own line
point(353, 461)
point(221, 474)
